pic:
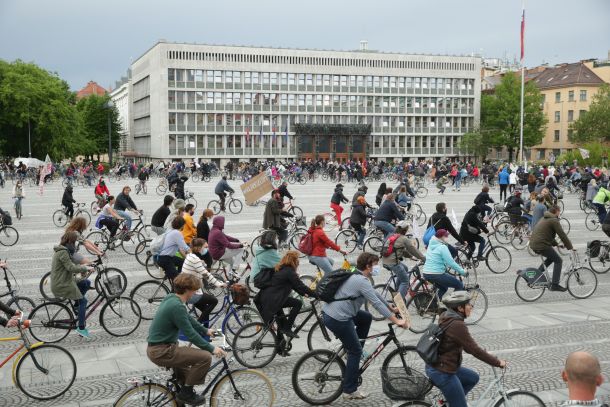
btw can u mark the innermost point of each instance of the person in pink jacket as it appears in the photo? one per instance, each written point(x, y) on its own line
point(222, 246)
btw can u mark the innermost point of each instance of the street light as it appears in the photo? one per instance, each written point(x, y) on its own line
point(109, 105)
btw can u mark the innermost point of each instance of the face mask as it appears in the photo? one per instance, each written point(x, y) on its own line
point(204, 251)
point(376, 270)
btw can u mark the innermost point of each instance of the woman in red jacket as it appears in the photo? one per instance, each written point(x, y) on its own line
point(101, 193)
point(321, 242)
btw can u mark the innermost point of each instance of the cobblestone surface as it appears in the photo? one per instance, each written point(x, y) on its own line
point(534, 338)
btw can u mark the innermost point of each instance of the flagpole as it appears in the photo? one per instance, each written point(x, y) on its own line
point(522, 86)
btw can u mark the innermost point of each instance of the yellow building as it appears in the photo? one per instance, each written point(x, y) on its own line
point(568, 90)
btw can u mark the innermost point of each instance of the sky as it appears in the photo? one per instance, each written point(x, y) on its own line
point(85, 40)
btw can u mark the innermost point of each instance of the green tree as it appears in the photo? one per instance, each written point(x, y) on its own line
point(32, 96)
point(595, 124)
point(474, 143)
point(500, 115)
point(94, 114)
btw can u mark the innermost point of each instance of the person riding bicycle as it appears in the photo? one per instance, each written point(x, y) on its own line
point(321, 242)
point(66, 281)
point(223, 246)
point(440, 220)
point(68, 201)
point(266, 254)
point(101, 193)
point(336, 200)
point(514, 208)
point(124, 203)
point(283, 190)
point(350, 324)
point(189, 230)
point(142, 178)
point(471, 229)
point(386, 215)
point(361, 192)
point(401, 249)
point(438, 259)
point(542, 241)
point(483, 199)
point(274, 214)
point(358, 218)
point(448, 374)
point(160, 216)
point(272, 300)
point(173, 245)
point(221, 188)
point(79, 225)
point(179, 190)
point(109, 217)
point(599, 201)
point(190, 364)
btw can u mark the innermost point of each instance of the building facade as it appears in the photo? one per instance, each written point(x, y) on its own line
point(120, 98)
point(91, 88)
point(220, 102)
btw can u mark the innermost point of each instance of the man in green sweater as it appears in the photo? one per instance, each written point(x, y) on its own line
point(190, 364)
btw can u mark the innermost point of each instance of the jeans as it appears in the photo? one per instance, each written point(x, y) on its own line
point(458, 183)
point(83, 287)
point(403, 277)
point(529, 219)
point(443, 282)
point(124, 214)
point(454, 386)
point(601, 211)
point(324, 263)
point(171, 265)
point(481, 241)
point(551, 256)
point(351, 333)
point(361, 233)
point(387, 227)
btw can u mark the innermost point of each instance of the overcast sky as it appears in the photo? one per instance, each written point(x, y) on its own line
point(86, 40)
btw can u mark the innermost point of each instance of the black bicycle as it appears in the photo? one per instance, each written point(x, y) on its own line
point(24, 304)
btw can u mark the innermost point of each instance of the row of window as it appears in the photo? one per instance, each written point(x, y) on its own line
point(571, 96)
point(201, 121)
point(321, 61)
point(557, 134)
point(302, 79)
point(188, 100)
point(570, 115)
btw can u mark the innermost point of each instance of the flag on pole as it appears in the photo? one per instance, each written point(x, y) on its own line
point(523, 34)
point(44, 171)
point(584, 153)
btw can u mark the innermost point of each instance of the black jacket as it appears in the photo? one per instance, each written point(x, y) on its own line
point(271, 299)
point(358, 216)
point(203, 229)
point(388, 211)
point(67, 199)
point(472, 218)
point(124, 202)
point(159, 217)
point(440, 221)
point(482, 199)
point(283, 190)
point(338, 197)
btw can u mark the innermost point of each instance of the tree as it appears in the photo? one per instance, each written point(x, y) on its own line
point(500, 115)
point(474, 143)
point(35, 98)
point(595, 124)
point(94, 115)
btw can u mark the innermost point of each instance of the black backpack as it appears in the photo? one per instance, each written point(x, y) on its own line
point(328, 286)
point(263, 279)
point(429, 342)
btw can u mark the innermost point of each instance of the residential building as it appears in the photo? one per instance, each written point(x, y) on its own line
point(250, 103)
point(120, 98)
point(91, 88)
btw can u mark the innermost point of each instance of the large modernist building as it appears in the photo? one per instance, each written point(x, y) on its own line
point(219, 102)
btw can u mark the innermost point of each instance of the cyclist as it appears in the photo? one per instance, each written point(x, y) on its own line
point(190, 364)
point(471, 229)
point(274, 214)
point(124, 203)
point(582, 374)
point(402, 248)
point(438, 259)
point(203, 228)
point(350, 324)
point(542, 241)
point(380, 193)
point(222, 246)
point(18, 196)
point(64, 281)
point(79, 225)
point(142, 178)
point(448, 374)
point(174, 250)
point(179, 190)
point(221, 189)
point(387, 214)
point(179, 206)
point(101, 193)
point(514, 208)
point(160, 215)
point(361, 192)
point(440, 220)
point(265, 255)
point(336, 200)
point(189, 231)
point(109, 217)
point(358, 219)
point(483, 199)
point(283, 190)
point(68, 201)
point(321, 242)
point(599, 201)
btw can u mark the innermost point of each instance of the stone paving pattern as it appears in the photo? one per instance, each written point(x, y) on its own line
point(534, 338)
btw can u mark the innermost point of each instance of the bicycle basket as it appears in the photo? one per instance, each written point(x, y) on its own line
point(399, 383)
point(240, 294)
point(593, 248)
point(113, 285)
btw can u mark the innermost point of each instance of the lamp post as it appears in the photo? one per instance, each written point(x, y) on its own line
point(109, 105)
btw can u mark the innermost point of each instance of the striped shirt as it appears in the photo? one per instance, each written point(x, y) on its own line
point(194, 265)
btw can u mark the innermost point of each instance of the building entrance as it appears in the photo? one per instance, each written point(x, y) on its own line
point(340, 142)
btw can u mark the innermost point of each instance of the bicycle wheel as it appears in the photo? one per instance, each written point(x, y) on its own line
point(347, 239)
point(520, 239)
point(243, 388)
point(45, 287)
point(317, 337)
point(498, 259)
point(565, 224)
point(479, 306)
point(330, 221)
point(120, 316)
point(255, 243)
point(296, 239)
point(601, 263)
point(161, 189)
point(51, 322)
point(60, 219)
point(193, 201)
point(84, 214)
point(98, 238)
point(384, 291)
point(581, 283)
point(415, 403)
point(422, 308)
point(142, 252)
point(296, 211)
point(420, 215)
point(8, 236)
point(526, 292)
point(317, 377)
point(592, 221)
point(130, 241)
point(103, 278)
point(404, 363)
point(24, 304)
point(520, 398)
point(504, 232)
point(95, 208)
point(235, 206)
point(45, 372)
point(148, 295)
point(147, 394)
point(422, 192)
point(373, 244)
point(153, 270)
point(238, 317)
point(214, 206)
point(254, 345)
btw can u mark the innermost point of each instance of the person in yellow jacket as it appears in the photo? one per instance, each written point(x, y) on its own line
point(189, 232)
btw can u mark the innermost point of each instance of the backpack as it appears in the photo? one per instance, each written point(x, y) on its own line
point(429, 233)
point(157, 244)
point(388, 246)
point(6, 218)
point(263, 279)
point(306, 244)
point(429, 342)
point(331, 282)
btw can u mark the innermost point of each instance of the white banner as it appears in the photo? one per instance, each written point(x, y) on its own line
point(584, 153)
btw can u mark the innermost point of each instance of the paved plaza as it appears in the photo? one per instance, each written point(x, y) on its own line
point(533, 338)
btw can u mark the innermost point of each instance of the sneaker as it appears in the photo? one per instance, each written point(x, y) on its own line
point(83, 332)
point(288, 333)
point(188, 396)
point(557, 287)
point(357, 395)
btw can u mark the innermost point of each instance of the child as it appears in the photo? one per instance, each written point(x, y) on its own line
point(440, 184)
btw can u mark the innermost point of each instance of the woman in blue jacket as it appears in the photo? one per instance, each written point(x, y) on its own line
point(503, 180)
point(438, 259)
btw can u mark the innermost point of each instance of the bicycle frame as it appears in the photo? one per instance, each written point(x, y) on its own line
point(27, 345)
point(390, 336)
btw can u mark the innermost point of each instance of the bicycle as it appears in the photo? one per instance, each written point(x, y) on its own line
point(598, 256)
point(190, 198)
point(9, 236)
point(53, 320)
point(141, 187)
point(41, 371)
point(229, 387)
point(234, 205)
point(497, 258)
point(256, 344)
point(388, 289)
point(61, 218)
point(580, 281)
point(22, 303)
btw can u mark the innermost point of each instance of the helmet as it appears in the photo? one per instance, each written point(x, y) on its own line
point(269, 240)
point(454, 299)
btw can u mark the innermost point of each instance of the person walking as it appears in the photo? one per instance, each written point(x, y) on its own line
point(503, 180)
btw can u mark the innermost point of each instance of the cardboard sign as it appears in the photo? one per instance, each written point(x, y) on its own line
point(402, 307)
point(257, 187)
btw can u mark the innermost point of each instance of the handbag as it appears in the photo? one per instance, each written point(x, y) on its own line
point(430, 341)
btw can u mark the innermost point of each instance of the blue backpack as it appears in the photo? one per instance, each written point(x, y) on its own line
point(429, 233)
